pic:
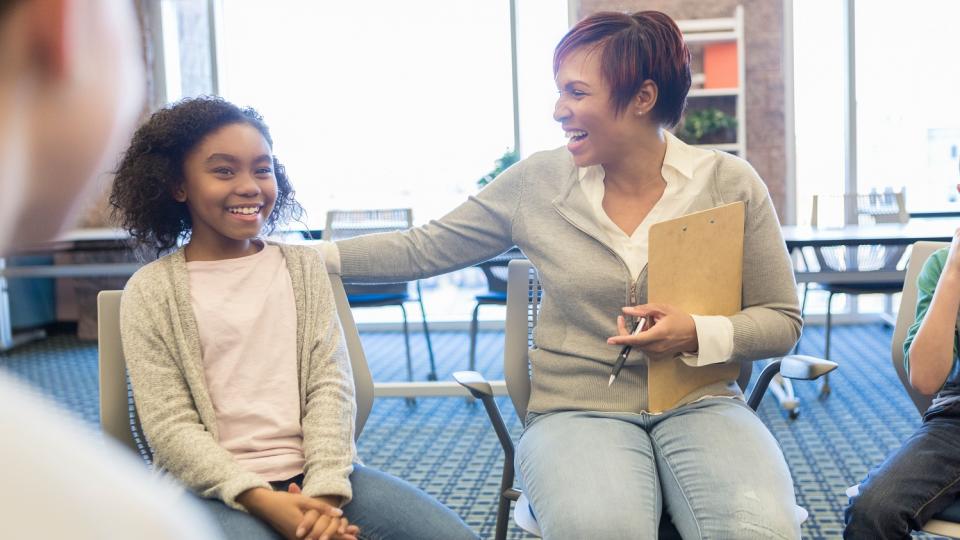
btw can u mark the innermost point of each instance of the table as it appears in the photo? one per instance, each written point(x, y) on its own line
point(884, 234)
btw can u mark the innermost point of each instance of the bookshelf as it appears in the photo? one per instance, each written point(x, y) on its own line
point(718, 69)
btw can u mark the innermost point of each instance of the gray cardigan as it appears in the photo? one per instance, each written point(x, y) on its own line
point(538, 206)
point(162, 349)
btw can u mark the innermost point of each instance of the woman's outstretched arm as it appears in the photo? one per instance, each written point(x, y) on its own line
point(477, 230)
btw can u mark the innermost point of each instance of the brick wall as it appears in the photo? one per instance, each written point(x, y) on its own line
point(763, 37)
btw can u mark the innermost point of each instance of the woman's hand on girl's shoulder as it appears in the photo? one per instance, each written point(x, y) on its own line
point(668, 331)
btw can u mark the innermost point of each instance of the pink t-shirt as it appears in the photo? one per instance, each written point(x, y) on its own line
point(247, 321)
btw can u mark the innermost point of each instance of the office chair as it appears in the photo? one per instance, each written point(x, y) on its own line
point(871, 208)
point(523, 303)
point(118, 416)
point(495, 270)
point(946, 523)
point(343, 224)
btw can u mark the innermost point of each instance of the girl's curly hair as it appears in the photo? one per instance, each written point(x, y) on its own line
point(152, 168)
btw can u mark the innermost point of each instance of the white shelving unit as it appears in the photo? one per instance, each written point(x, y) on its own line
point(706, 31)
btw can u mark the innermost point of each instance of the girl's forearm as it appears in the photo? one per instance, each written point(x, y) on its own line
point(253, 499)
point(931, 353)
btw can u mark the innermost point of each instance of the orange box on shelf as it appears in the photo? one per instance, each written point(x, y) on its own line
point(720, 65)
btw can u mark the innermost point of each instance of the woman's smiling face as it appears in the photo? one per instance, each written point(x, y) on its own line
point(585, 110)
point(229, 186)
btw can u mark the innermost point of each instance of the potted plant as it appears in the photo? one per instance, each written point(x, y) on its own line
point(503, 163)
point(707, 126)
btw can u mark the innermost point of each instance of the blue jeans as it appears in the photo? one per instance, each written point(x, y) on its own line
point(384, 507)
point(712, 465)
point(914, 483)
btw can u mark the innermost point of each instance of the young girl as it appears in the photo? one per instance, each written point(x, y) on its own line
point(233, 345)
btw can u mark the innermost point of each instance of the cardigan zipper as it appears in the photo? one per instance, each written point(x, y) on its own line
point(631, 290)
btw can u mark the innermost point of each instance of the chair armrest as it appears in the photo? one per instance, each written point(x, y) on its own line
point(480, 389)
point(474, 383)
point(806, 368)
point(795, 366)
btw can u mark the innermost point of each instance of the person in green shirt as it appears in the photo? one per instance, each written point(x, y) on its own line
point(922, 477)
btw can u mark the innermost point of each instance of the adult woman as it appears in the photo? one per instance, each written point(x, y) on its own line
point(594, 462)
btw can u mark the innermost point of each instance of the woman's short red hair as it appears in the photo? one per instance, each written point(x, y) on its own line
point(646, 45)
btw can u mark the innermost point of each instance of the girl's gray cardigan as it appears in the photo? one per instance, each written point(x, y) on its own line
point(538, 206)
point(162, 350)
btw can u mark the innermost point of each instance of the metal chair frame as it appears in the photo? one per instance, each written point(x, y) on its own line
point(343, 224)
point(495, 270)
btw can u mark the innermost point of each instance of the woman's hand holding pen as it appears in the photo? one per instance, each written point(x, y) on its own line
point(669, 331)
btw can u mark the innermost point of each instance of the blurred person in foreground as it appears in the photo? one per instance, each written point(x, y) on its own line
point(71, 84)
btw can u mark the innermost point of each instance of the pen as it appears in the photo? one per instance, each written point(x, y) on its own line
point(618, 365)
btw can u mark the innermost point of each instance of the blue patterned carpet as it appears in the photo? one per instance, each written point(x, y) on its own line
point(445, 445)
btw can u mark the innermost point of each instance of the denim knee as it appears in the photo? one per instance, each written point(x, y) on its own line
point(871, 515)
point(773, 524)
point(598, 527)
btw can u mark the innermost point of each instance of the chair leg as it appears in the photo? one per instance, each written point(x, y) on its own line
point(803, 302)
point(503, 518)
point(825, 387)
point(803, 313)
point(473, 338)
point(406, 344)
point(432, 376)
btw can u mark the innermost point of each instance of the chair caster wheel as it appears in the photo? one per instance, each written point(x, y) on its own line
point(432, 376)
point(794, 414)
point(411, 402)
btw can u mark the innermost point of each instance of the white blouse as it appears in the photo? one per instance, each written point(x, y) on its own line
point(687, 171)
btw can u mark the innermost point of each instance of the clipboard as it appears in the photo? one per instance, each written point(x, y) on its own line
point(695, 264)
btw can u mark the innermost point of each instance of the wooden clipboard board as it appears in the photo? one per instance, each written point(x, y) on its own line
point(695, 264)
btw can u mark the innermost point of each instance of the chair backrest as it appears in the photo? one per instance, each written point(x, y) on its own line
point(118, 416)
point(495, 270)
point(907, 314)
point(524, 296)
point(344, 224)
point(867, 208)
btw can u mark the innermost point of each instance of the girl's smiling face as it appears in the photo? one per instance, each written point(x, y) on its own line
point(229, 188)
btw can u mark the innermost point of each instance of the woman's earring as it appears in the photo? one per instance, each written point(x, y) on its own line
point(639, 112)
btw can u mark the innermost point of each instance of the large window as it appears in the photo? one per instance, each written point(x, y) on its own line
point(819, 101)
point(908, 114)
point(397, 104)
point(908, 121)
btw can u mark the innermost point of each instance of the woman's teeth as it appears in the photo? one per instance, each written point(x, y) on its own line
point(244, 210)
point(576, 134)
